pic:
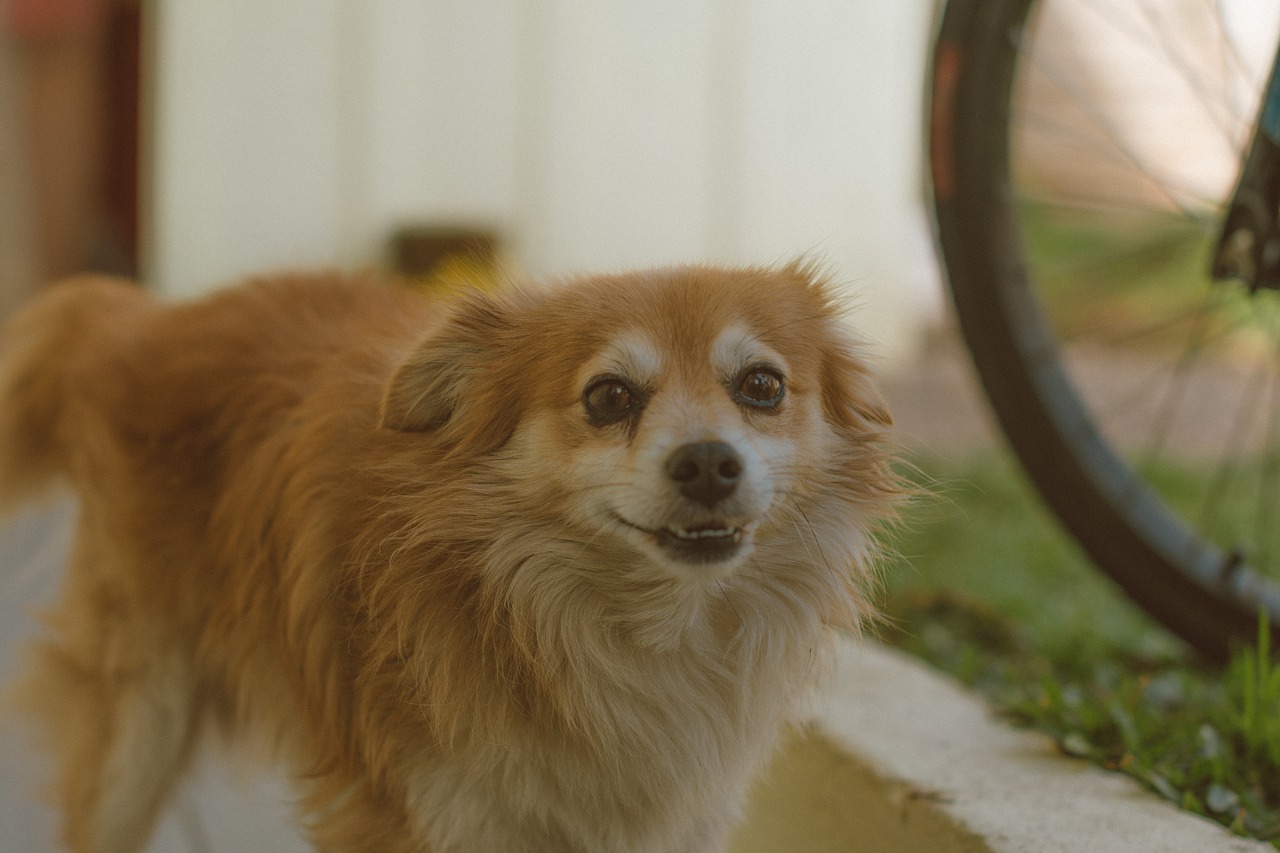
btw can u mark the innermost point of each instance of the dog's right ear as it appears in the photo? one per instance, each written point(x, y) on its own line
point(452, 382)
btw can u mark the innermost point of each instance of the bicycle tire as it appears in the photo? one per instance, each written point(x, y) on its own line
point(1209, 598)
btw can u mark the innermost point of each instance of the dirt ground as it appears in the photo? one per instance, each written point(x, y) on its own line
point(937, 402)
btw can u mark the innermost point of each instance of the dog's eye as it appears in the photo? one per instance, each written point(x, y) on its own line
point(759, 387)
point(608, 400)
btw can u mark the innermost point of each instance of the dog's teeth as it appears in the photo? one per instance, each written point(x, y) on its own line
point(705, 533)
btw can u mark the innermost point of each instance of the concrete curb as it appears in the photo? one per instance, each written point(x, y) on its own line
point(902, 759)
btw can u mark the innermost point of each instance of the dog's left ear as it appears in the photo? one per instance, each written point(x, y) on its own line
point(850, 398)
point(453, 383)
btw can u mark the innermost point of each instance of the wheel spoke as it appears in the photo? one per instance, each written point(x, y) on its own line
point(1185, 198)
point(1210, 101)
point(1265, 522)
point(1233, 64)
point(1177, 383)
point(1104, 123)
point(1159, 376)
point(1215, 497)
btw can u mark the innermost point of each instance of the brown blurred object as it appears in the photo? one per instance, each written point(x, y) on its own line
point(75, 66)
point(418, 250)
point(444, 259)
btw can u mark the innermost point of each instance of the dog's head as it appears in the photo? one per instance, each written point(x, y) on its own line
point(690, 416)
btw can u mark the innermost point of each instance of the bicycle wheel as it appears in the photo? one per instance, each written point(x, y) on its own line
point(1081, 152)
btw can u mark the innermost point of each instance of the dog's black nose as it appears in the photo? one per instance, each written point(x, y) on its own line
point(706, 471)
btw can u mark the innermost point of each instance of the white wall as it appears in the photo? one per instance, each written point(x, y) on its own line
point(246, 168)
point(591, 135)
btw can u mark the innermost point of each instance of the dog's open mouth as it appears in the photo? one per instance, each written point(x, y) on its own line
point(712, 542)
point(707, 544)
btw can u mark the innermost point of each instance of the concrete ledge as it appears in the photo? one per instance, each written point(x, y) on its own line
point(901, 759)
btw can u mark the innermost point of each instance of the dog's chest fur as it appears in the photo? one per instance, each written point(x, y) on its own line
point(655, 757)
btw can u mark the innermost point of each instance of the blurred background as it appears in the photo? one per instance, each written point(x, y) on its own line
point(189, 143)
point(196, 142)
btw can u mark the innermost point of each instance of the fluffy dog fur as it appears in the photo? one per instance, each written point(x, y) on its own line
point(450, 566)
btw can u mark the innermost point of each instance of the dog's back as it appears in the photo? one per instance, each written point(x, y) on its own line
point(160, 417)
point(97, 365)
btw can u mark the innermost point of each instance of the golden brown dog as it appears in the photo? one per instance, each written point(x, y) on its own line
point(544, 571)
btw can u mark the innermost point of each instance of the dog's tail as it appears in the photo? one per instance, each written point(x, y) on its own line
point(51, 349)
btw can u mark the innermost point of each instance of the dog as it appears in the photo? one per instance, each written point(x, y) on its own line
point(541, 569)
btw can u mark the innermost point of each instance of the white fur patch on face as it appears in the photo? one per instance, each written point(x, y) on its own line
point(634, 357)
point(737, 347)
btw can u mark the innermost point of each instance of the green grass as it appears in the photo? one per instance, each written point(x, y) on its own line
point(990, 590)
point(983, 534)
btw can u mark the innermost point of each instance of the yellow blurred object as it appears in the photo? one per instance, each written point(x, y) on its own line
point(458, 273)
point(445, 260)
